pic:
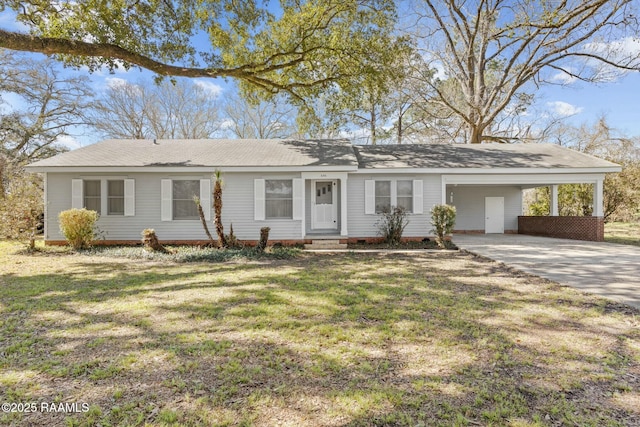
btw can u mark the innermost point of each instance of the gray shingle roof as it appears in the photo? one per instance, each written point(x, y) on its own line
point(207, 152)
point(305, 153)
point(475, 156)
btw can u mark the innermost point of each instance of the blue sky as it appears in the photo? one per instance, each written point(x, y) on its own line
point(618, 100)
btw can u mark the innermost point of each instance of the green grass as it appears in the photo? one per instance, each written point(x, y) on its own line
point(440, 339)
point(627, 233)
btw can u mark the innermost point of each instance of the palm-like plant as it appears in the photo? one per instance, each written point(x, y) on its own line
point(217, 209)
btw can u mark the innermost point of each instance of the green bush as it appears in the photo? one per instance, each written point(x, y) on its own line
point(443, 219)
point(78, 226)
point(392, 224)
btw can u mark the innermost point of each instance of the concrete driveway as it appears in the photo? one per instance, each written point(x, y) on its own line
point(606, 269)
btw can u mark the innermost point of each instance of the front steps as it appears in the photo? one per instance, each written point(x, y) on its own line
point(325, 244)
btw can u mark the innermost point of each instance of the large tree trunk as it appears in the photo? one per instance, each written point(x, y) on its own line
point(372, 126)
point(476, 134)
point(3, 164)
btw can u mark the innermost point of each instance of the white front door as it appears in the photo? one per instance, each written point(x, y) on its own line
point(324, 205)
point(494, 215)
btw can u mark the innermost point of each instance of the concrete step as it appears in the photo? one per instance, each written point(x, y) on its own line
point(326, 244)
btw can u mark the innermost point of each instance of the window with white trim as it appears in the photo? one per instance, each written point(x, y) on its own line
point(278, 198)
point(184, 207)
point(115, 197)
point(385, 193)
point(106, 196)
point(92, 198)
point(383, 196)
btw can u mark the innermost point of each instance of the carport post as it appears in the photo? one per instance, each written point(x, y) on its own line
point(598, 198)
point(554, 200)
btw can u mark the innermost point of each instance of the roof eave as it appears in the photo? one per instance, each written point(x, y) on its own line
point(490, 171)
point(186, 169)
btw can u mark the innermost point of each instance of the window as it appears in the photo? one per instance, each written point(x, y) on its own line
point(405, 195)
point(115, 197)
point(278, 198)
point(106, 196)
point(183, 205)
point(383, 196)
point(380, 195)
point(92, 198)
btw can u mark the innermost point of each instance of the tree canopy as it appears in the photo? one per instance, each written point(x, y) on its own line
point(49, 103)
point(293, 46)
point(492, 51)
point(181, 109)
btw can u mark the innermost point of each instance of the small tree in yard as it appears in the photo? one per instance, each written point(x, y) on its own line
point(443, 219)
point(392, 224)
point(21, 208)
point(196, 199)
point(78, 226)
point(217, 209)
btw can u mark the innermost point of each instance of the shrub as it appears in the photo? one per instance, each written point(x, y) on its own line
point(392, 224)
point(232, 241)
point(151, 242)
point(264, 238)
point(21, 207)
point(78, 226)
point(443, 219)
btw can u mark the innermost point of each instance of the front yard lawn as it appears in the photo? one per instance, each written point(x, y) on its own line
point(627, 233)
point(440, 338)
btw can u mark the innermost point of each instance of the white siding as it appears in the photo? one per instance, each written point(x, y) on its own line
point(363, 225)
point(469, 203)
point(238, 208)
point(237, 199)
point(119, 227)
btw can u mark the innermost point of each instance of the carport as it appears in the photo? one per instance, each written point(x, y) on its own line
point(493, 203)
point(486, 183)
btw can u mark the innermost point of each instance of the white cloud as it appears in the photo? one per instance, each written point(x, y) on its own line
point(628, 46)
point(114, 82)
point(227, 124)
point(213, 89)
point(564, 109)
point(624, 51)
point(563, 77)
point(69, 141)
